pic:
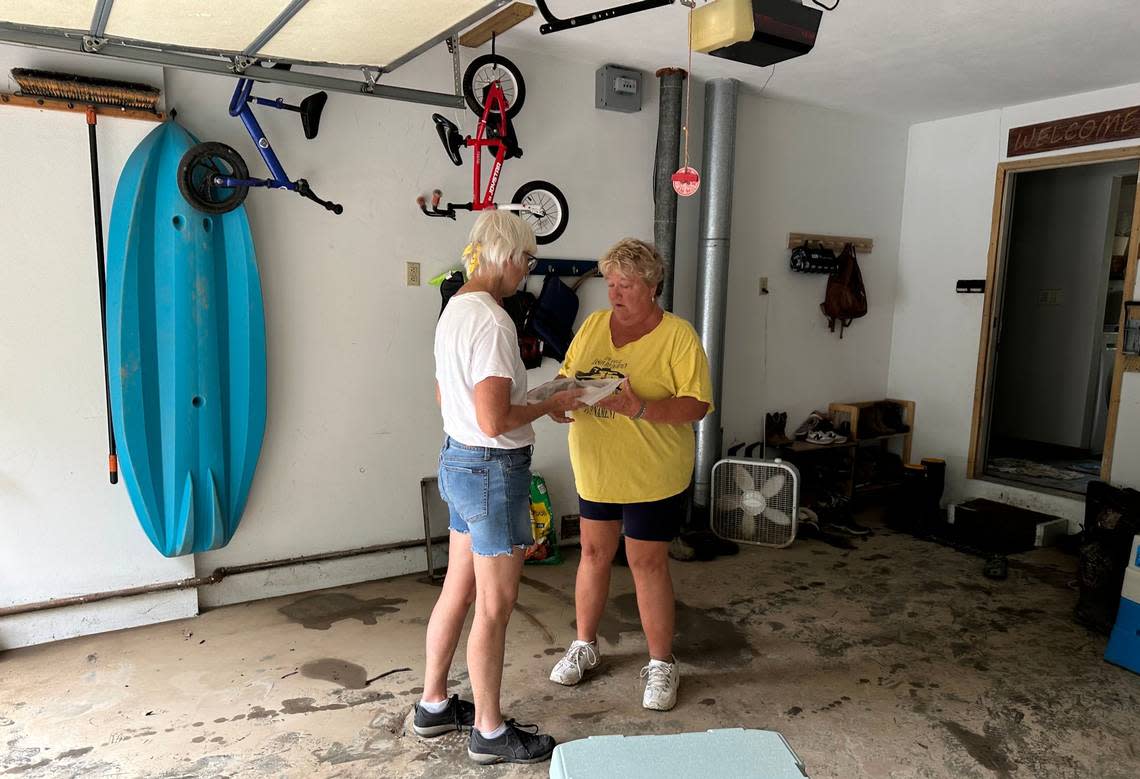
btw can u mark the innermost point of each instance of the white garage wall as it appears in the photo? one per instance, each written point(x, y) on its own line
point(806, 169)
point(352, 421)
point(945, 237)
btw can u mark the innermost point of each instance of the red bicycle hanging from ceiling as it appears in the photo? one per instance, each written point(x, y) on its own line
point(494, 89)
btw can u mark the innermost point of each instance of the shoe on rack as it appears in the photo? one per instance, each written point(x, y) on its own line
point(515, 745)
point(580, 657)
point(661, 682)
point(774, 429)
point(458, 715)
point(823, 437)
point(881, 419)
point(892, 417)
point(871, 422)
point(809, 424)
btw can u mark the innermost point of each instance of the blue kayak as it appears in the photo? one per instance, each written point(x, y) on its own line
point(186, 352)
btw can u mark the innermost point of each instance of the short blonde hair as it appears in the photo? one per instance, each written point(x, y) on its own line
point(634, 259)
point(499, 238)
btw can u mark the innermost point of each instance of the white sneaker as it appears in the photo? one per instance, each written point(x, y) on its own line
point(582, 656)
point(661, 681)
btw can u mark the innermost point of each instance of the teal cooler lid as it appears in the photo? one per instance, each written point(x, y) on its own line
point(733, 753)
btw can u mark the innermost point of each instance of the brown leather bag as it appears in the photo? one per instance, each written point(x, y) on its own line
point(846, 297)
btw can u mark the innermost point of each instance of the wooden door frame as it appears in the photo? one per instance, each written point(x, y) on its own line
point(1000, 221)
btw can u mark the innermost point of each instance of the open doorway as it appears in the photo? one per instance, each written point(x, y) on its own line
point(1056, 316)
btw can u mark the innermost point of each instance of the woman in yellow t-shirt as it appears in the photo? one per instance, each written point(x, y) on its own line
point(632, 456)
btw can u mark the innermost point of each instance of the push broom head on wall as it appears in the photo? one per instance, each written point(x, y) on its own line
point(85, 89)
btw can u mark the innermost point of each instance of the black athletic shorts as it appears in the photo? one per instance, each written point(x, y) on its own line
point(656, 520)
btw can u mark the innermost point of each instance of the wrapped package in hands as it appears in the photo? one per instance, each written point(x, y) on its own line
point(595, 389)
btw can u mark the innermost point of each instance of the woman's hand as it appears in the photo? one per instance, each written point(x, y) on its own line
point(496, 414)
point(561, 402)
point(624, 401)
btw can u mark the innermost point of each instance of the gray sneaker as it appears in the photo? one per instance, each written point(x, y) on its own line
point(516, 745)
point(582, 656)
point(459, 715)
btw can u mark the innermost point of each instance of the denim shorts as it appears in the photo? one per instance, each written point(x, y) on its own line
point(487, 491)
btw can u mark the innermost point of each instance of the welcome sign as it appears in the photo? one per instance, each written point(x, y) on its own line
point(1090, 129)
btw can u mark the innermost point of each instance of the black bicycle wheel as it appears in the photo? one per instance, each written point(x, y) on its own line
point(196, 174)
point(493, 67)
point(547, 212)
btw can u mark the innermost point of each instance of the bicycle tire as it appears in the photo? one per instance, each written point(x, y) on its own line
point(199, 165)
point(482, 71)
point(549, 226)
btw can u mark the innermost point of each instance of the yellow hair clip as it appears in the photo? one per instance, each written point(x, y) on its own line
point(471, 255)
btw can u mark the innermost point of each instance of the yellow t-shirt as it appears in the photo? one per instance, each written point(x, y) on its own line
point(621, 460)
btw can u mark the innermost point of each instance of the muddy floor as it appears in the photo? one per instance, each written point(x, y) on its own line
point(892, 659)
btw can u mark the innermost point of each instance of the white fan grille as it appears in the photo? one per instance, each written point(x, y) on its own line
point(755, 501)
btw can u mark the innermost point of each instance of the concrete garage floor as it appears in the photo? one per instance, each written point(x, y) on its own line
point(895, 659)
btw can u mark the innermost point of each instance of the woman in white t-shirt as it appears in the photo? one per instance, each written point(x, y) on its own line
point(484, 475)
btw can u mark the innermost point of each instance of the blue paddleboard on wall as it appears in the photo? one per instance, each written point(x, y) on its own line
point(186, 352)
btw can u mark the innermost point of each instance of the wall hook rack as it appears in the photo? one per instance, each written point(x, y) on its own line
point(833, 242)
point(561, 267)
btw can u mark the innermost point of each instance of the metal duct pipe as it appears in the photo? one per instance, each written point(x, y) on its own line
point(718, 163)
point(665, 164)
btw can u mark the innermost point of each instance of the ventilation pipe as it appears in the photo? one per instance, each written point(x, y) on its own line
point(666, 162)
point(718, 164)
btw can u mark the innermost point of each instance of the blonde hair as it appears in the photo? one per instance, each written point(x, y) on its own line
point(634, 259)
point(497, 239)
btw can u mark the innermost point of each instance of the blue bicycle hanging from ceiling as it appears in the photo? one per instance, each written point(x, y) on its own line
point(214, 178)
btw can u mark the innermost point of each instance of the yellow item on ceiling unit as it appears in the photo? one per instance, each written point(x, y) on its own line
point(722, 23)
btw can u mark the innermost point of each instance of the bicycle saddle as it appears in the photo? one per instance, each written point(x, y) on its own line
point(450, 136)
point(311, 108)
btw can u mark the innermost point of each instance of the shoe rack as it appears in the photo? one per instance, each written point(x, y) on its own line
point(849, 412)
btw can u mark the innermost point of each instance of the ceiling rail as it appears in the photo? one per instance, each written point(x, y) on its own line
point(235, 66)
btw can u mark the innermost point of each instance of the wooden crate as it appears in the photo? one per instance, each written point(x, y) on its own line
point(849, 412)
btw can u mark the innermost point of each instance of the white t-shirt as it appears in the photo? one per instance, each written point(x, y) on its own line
point(474, 340)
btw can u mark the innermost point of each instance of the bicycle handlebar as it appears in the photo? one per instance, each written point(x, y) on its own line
point(305, 191)
point(434, 209)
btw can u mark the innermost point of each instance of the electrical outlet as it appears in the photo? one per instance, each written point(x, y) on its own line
point(412, 273)
point(763, 285)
